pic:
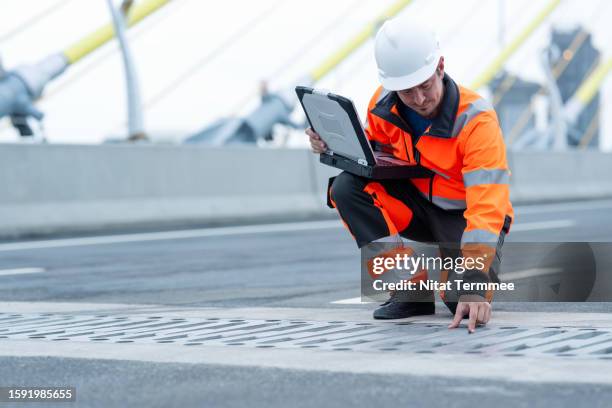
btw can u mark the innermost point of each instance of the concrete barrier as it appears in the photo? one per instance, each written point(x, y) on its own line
point(54, 188)
point(60, 188)
point(555, 176)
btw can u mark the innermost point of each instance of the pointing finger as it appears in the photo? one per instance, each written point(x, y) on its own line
point(457, 318)
point(473, 317)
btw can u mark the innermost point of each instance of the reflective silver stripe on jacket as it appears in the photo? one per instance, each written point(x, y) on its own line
point(479, 236)
point(476, 107)
point(486, 176)
point(446, 203)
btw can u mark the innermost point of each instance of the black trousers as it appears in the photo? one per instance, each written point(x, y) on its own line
point(372, 210)
point(377, 209)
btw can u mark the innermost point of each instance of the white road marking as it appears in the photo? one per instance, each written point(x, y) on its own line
point(588, 205)
point(222, 231)
point(528, 273)
point(543, 225)
point(350, 301)
point(170, 235)
point(20, 271)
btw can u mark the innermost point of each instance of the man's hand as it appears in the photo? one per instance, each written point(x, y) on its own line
point(316, 143)
point(478, 309)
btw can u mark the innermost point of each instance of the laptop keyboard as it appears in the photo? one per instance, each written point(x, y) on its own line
point(383, 162)
point(389, 161)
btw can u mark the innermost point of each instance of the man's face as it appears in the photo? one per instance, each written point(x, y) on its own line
point(425, 98)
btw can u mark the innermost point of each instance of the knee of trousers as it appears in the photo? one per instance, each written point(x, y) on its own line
point(345, 188)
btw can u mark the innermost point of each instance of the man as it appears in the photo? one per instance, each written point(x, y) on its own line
point(419, 114)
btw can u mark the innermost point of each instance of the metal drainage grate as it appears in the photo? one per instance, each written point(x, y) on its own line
point(410, 337)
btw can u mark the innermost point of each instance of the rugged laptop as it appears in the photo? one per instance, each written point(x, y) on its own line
point(335, 119)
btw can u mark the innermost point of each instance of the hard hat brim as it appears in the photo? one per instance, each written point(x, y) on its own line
point(409, 81)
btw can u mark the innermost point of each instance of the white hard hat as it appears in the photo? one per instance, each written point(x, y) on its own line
point(407, 54)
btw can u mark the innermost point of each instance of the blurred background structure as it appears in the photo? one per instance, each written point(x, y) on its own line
point(214, 76)
point(188, 81)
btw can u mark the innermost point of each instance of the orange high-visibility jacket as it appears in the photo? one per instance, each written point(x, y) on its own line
point(465, 149)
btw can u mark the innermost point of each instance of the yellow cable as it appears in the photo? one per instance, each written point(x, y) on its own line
point(335, 59)
point(590, 86)
point(558, 69)
point(501, 59)
point(105, 33)
point(584, 94)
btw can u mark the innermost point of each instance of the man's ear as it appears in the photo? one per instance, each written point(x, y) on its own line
point(440, 68)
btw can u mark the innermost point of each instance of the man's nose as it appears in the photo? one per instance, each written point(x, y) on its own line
point(418, 97)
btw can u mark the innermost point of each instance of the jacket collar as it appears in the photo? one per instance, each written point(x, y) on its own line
point(441, 126)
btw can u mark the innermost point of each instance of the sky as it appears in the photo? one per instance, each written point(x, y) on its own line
point(198, 61)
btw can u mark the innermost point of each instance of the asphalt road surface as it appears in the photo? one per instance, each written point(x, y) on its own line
point(311, 268)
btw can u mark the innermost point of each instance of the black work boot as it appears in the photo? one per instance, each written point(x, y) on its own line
point(402, 304)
